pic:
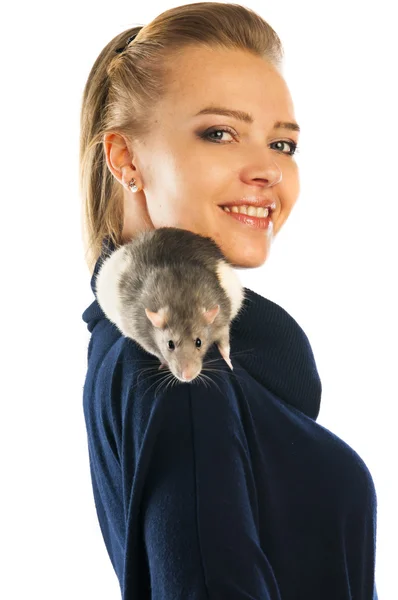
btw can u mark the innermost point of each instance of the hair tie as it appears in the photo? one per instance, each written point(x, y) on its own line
point(127, 43)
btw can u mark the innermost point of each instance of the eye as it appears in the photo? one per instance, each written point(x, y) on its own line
point(171, 345)
point(198, 342)
point(293, 146)
point(206, 134)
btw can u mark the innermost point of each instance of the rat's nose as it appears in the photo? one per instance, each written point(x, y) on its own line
point(188, 374)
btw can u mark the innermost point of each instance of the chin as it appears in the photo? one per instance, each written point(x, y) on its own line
point(249, 259)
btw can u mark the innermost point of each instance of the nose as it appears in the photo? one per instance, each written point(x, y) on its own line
point(188, 374)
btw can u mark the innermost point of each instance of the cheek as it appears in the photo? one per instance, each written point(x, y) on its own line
point(181, 212)
point(184, 195)
point(289, 188)
point(294, 182)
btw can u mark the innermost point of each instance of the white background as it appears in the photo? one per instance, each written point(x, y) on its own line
point(333, 267)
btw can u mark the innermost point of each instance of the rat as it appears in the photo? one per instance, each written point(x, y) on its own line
point(174, 293)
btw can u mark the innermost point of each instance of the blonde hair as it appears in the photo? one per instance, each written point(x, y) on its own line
point(123, 88)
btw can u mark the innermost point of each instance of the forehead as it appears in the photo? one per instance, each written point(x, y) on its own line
point(201, 76)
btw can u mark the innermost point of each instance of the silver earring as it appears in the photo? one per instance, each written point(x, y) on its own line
point(133, 186)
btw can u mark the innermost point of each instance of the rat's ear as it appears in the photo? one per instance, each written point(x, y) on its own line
point(158, 319)
point(211, 314)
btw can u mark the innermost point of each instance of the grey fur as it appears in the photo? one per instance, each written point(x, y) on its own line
point(183, 273)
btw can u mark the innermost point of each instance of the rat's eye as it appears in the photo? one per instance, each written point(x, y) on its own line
point(198, 342)
point(171, 344)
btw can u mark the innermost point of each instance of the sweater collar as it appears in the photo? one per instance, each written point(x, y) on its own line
point(267, 342)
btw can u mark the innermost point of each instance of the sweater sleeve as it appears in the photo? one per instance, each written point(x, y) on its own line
point(191, 502)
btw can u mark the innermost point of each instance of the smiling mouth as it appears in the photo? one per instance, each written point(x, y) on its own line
point(251, 211)
point(251, 221)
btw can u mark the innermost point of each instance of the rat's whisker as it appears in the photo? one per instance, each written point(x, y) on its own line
point(242, 352)
point(202, 374)
point(162, 381)
point(234, 373)
point(201, 378)
point(142, 372)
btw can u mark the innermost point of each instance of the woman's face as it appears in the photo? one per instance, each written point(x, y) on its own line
point(187, 168)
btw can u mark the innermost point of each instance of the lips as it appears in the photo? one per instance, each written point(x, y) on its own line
point(255, 201)
point(250, 221)
point(250, 211)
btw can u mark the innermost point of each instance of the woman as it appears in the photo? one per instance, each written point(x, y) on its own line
point(232, 490)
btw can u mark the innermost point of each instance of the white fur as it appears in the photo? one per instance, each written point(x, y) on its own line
point(229, 280)
point(107, 285)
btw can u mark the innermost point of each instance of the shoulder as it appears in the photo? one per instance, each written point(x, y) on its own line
point(149, 413)
point(130, 382)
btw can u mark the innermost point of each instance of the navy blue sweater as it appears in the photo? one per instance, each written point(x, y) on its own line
point(229, 489)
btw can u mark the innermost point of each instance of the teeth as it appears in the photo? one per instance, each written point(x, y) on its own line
point(248, 210)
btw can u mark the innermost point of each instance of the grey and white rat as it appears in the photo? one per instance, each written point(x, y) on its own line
point(173, 292)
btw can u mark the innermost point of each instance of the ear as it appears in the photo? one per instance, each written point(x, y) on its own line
point(158, 319)
point(211, 314)
point(120, 159)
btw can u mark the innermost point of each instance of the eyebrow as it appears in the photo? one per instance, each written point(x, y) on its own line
point(244, 116)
